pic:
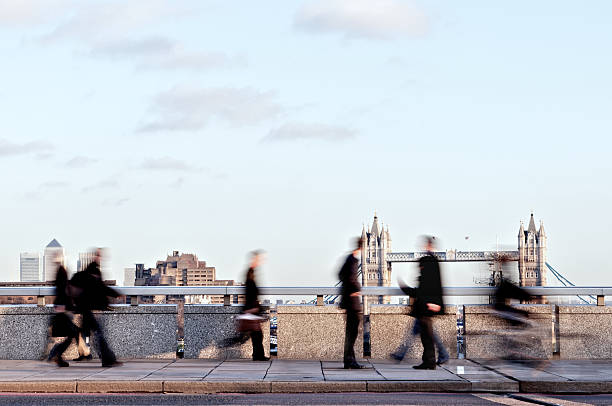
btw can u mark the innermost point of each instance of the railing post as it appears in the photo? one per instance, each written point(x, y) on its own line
point(134, 300)
point(601, 300)
point(41, 301)
point(227, 300)
point(320, 301)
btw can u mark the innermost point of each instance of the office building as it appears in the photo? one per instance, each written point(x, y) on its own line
point(29, 267)
point(52, 250)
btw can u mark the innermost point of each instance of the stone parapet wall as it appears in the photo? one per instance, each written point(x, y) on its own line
point(585, 332)
point(391, 326)
point(313, 332)
point(487, 336)
point(23, 331)
point(206, 326)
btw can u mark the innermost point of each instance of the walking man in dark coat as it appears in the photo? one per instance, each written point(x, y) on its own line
point(351, 302)
point(428, 302)
point(91, 293)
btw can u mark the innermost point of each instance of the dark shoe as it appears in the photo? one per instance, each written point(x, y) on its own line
point(424, 366)
point(353, 365)
point(60, 362)
point(111, 364)
point(83, 358)
point(262, 359)
point(396, 357)
point(442, 359)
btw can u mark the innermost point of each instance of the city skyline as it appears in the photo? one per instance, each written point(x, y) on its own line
point(148, 126)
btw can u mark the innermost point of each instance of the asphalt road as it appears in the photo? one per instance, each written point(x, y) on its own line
point(436, 399)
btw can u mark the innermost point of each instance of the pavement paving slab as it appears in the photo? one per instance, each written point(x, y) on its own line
point(246, 376)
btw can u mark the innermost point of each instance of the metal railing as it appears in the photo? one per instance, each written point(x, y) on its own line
point(320, 291)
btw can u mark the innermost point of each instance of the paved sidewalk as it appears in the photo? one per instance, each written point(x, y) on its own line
point(213, 376)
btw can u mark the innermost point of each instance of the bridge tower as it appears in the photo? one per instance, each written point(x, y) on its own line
point(376, 244)
point(532, 254)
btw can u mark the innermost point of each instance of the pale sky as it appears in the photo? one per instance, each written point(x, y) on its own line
point(217, 127)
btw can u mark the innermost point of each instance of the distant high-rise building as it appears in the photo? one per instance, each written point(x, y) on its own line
point(85, 258)
point(129, 276)
point(52, 250)
point(29, 267)
point(182, 270)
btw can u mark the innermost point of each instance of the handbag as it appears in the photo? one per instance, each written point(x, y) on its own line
point(246, 322)
point(62, 325)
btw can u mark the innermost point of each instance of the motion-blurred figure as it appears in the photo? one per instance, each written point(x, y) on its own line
point(428, 302)
point(521, 329)
point(351, 302)
point(91, 293)
point(61, 322)
point(249, 321)
point(253, 308)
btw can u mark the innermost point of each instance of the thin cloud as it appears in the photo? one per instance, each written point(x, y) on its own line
point(80, 162)
point(189, 109)
point(28, 12)
point(305, 132)
point(112, 19)
point(170, 165)
point(164, 53)
point(8, 148)
point(45, 188)
point(103, 184)
point(121, 202)
point(374, 19)
point(178, 183)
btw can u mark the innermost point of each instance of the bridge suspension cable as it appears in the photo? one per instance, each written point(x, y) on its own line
point(566, 282)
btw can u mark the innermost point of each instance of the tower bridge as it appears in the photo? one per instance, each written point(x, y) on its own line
point(377, 256)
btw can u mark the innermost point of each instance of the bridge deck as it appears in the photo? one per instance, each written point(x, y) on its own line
point(205, 376)
point(455, 256)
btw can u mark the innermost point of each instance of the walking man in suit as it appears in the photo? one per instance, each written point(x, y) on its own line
point(428, 302)
point(351, 302)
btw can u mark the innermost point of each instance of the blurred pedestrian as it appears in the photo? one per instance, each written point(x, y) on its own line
point(428, 302)
point(351, 302)
point(251, 320)
point(62, 320)
point(91, 293)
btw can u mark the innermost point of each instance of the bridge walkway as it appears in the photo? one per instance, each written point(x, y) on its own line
point(216, 376)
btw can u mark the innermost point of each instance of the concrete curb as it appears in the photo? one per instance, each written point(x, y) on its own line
point(319, 387)
point(39, 387)
point(419, 386)
point(119, 386)
point(216, 386)
point(503, 387)
point(205, 387)
point(566, 386)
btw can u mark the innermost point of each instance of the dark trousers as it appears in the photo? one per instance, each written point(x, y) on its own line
point(352, 329)
point(90, 324)
point(257, 341)
point(427, 339)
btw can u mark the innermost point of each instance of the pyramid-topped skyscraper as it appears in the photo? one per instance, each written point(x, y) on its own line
point(52, 250)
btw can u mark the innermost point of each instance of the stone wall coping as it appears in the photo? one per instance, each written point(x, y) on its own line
point(585, 309)
point(216, 309)
point(308, 308)
point(117, 309)
point(403, 309)
point(531, 308)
